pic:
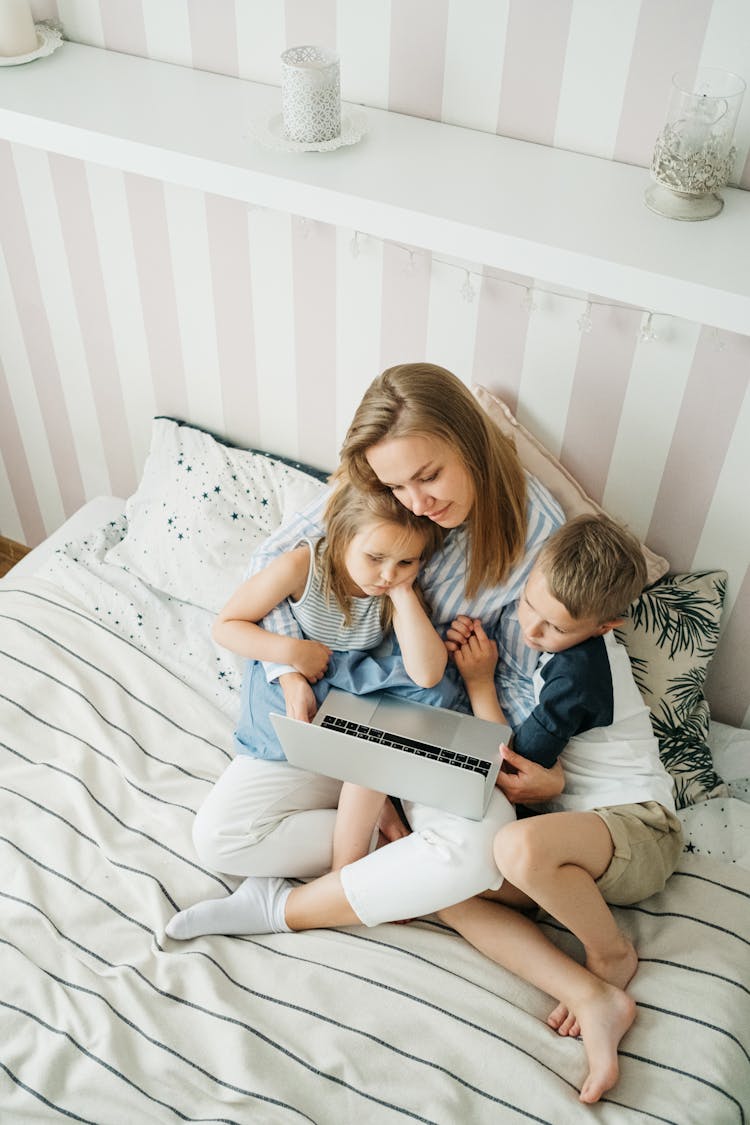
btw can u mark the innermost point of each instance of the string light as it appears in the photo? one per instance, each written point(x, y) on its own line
point(585, 323)
point(719, 342)
point(411, 265)
point(528, 302)
point(467, 290)
point(648, 334)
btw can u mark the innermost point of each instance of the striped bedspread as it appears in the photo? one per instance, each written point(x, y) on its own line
point(105, 756)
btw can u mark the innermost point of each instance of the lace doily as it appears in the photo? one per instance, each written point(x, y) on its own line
point(48, 38)
point(270, 134)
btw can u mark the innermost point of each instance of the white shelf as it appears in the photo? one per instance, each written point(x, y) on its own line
point(573, 221)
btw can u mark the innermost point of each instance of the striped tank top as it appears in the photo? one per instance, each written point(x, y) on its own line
point(324, 622)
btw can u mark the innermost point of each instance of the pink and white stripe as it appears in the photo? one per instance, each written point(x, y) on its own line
point(123, 296)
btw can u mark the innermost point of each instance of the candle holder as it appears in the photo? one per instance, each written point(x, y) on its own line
point(310, 95)
point(694, 155)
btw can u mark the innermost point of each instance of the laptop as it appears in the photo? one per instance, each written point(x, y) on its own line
point(406, 749)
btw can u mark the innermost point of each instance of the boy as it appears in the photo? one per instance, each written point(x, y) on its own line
point(612, 835)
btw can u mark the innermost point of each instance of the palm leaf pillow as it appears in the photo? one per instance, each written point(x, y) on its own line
point(671, 635)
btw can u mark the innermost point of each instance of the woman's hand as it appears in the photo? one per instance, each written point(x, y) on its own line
point(527, 782)
point(459, 631)
point(311, 659)
point(298, 696)
point(476, 660)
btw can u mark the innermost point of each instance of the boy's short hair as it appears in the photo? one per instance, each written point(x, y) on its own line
point(594, 567)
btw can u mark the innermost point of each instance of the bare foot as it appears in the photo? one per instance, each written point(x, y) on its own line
point(604, 1015)
point(564, 1022)
point(618, 969)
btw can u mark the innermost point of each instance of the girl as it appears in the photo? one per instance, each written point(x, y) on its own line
point(346, 591)
point(419, 435)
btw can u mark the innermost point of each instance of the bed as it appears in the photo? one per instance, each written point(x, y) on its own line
point(117, 716)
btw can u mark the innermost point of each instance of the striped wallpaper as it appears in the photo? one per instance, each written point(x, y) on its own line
point(122, 297)
point(588, 75)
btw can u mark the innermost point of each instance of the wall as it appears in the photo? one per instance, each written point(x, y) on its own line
point(122, 297)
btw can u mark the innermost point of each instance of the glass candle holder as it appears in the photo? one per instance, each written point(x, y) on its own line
point(694, 154)
point(310, 94)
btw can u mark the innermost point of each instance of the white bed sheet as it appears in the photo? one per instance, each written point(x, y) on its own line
point(116, 719)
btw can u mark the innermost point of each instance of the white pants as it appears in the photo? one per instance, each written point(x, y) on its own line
point(268, 818)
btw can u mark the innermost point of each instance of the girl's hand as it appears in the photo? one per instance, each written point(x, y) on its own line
point(459, 632)
point(311, 659)
point(402, 591)
point(476, 659)
point(298, 695)
point(526, 782)
point(390, 825)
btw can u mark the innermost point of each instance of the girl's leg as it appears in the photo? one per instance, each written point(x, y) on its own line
point(514, 941)
point(445, 858)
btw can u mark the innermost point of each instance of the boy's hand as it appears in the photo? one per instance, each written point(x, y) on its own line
point(299, 697)
point(526, 782)
point(461, 628)
point(311, 659)
point(476, 659)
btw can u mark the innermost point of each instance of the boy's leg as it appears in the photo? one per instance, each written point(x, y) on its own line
point(514, 941)
point(555, 859)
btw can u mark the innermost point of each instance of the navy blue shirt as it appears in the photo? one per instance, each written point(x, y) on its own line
point(576, 695)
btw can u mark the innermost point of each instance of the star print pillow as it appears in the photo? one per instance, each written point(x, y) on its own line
point(201, 509)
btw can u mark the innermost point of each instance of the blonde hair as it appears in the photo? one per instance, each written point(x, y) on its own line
point(423, 399)
point(348, 511)
point(594, 567)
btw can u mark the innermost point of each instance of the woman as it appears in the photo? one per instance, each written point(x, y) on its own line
point(420, 434)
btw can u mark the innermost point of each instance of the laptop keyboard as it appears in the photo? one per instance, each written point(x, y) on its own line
point(408, 745)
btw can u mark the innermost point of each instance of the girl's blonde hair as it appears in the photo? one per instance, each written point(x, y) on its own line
point(594, 567)
point(348, 511)
point(426, 400)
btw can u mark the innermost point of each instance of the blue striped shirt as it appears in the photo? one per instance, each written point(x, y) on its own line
point(443, 581)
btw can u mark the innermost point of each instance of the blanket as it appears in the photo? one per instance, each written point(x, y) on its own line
point(106, 752)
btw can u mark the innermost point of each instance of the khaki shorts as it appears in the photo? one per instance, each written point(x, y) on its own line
point(648, 843)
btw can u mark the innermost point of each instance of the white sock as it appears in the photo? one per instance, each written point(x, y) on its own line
point(256, 907)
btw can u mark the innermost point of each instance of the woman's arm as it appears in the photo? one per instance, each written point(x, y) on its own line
point(357, 816)
point(236, 626)
point(422, 651)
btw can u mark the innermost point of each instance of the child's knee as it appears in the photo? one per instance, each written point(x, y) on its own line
point(519, 851)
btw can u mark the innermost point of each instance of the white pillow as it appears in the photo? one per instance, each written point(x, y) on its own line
point(201, 509)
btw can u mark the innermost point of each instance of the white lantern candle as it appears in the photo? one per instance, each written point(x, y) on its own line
point(17, 31)
point(310, 94)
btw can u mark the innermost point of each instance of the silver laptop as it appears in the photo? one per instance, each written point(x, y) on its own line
point(428, 754)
